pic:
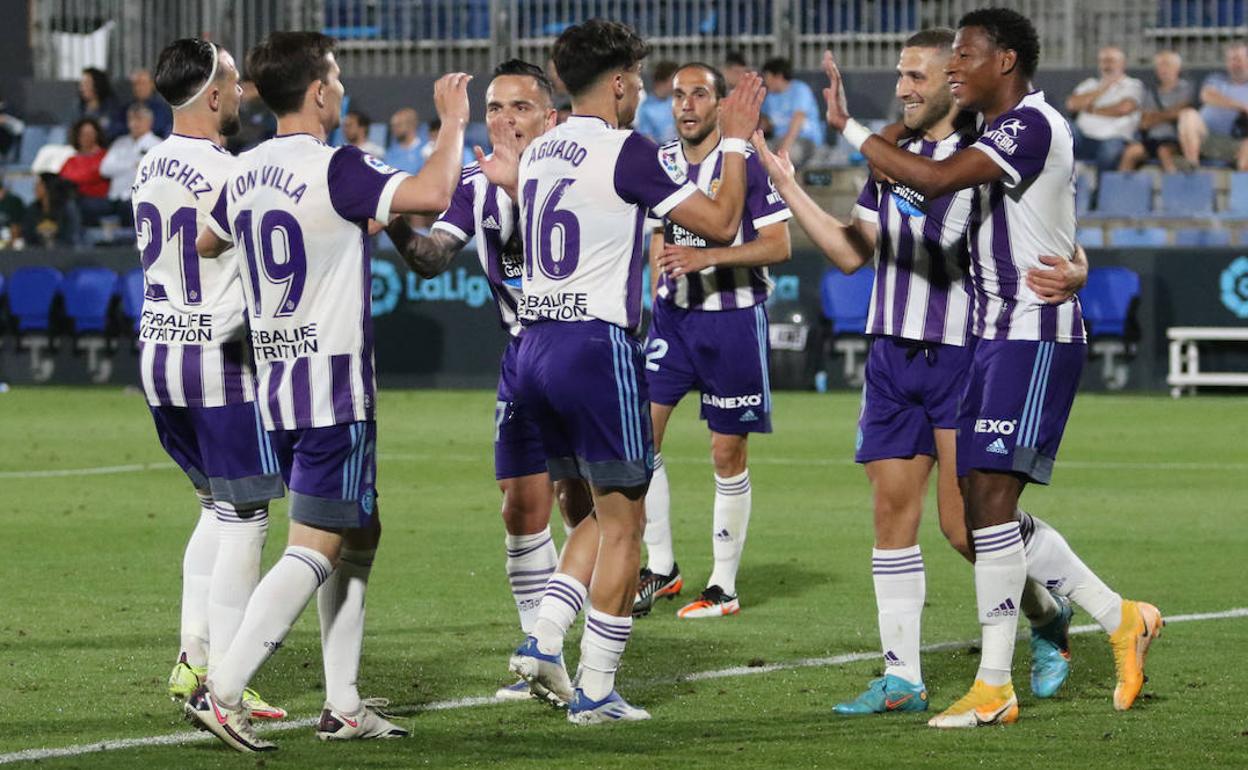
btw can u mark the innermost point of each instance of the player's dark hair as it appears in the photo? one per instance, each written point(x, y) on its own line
point(735, 59)
point(1008, 30)
point(182, 68)
point(779, 65)
point(524, 68)
point(285, 64)
point(936, 37)
point(721, 85)
point(585, 52)
point(361, 117)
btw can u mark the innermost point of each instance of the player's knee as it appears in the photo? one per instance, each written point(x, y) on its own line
point(521, 516)
point(574, 500)
point(728, 455)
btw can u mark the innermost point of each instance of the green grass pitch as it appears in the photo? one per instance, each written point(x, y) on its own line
point(1151, 492)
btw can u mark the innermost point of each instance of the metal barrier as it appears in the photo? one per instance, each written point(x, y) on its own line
point(397, 37)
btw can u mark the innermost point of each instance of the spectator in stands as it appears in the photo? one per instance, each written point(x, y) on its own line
point(1217, 132)
point(734, 67)
point(1107, 111)
point(143, 91)
point(11, 128)
point(83, 170)
point(426, 149)
point(405, 148)
point(355, 130)
point(51, 218)
point(12, 212)
point(1159, 121)
point(654, 115)
point(791, 109)
point(121, 162)
point(256, 121)
point(97, 100)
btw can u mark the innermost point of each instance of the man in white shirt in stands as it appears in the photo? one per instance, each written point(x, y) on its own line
point(124, 154)
point(1108, 111)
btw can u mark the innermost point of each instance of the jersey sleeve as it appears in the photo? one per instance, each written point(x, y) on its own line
point(868, 206)
point(360, 186)
point(218, 218)
point(459, 219)
point(1018, 142)
point(641, 179)
point(763, 204)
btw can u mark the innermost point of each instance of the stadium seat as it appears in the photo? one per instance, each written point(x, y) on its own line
point(33, 138)
point(58, 135)
point(377, 134)
point(1108, 303)
point(1202, 236)
point(131, 287)
point(33, 293)
point(1090, 237)
point(1124, 195)
point(22, 186)
point(89, 293)
point(845, 300)
point(1237, 198)
point(1138, 236)
point(1187, 195)
point(1083, 193)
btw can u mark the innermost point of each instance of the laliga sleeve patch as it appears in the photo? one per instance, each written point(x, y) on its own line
point(378, 165)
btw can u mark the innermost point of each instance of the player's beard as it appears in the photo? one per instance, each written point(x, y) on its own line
point(934, 108)
point(231, 125)
point(704, 130)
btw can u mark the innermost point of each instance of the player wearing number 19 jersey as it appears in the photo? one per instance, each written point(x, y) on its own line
point(299, 211)
point(195, 364)
point(585, 188)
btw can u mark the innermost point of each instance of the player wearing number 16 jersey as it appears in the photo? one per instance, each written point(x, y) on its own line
point(585, 188)
point(300, 210)
point(195, 364)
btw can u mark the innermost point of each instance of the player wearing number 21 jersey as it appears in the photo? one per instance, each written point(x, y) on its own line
point(298, 210)
point(584, 190)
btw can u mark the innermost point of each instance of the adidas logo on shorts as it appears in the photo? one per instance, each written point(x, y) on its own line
point(749, 416)
point(490, 223)
point(997, 447)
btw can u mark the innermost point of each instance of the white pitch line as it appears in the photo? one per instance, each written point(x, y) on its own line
point(103, 470)
point(182, 738)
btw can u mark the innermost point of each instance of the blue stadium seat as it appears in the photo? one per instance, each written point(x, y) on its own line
point(1138, 236)
point(1202, 236)
point(1237, 200)
point(1090, 237)
point(58, 135)
point(845, 299)
point(1187, 195)
point(377, 133)
point(130, 286)
point(89, 293)
point(21, 186)
point(1083, 193)
point(1124, 195)
point(1107, 299)
point(33, 138)
point(32, 292)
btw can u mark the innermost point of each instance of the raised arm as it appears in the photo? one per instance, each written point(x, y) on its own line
point(427, 255)
point(429, 192)
point(847, 246)
point(719, 218)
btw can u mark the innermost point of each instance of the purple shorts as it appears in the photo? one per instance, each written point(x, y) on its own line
point(720, 353)
point(911, 389)
point(517, 438)
point(581, 382)
point(223, 449)
point(1014, 409)
point(331, 472)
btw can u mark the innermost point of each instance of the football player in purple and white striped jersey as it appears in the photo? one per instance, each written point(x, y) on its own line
point(195, 364)
point(520, 102)
point(708, 333)
point(300, 211)
point(919, 319)
point(1028, 354)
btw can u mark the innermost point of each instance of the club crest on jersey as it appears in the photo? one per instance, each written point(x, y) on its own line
point(909, 201)
point(714, 191)
point(379, 166)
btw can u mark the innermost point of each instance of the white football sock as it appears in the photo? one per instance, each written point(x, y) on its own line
point(340, 606)
point(240, 542)
point(900, 590)
point(197, 561)
point(564, 597)
point(658, 536)
point(1000, 571)
point(730, 520)
point(275, 605)
point(605, 639)
point(1051, 561)
point(531, 560)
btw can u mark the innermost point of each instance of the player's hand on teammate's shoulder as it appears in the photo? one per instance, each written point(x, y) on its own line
point(450, 97)
point(778, 165)
point(682, 260)
point(738, 116)
point(834, 94)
